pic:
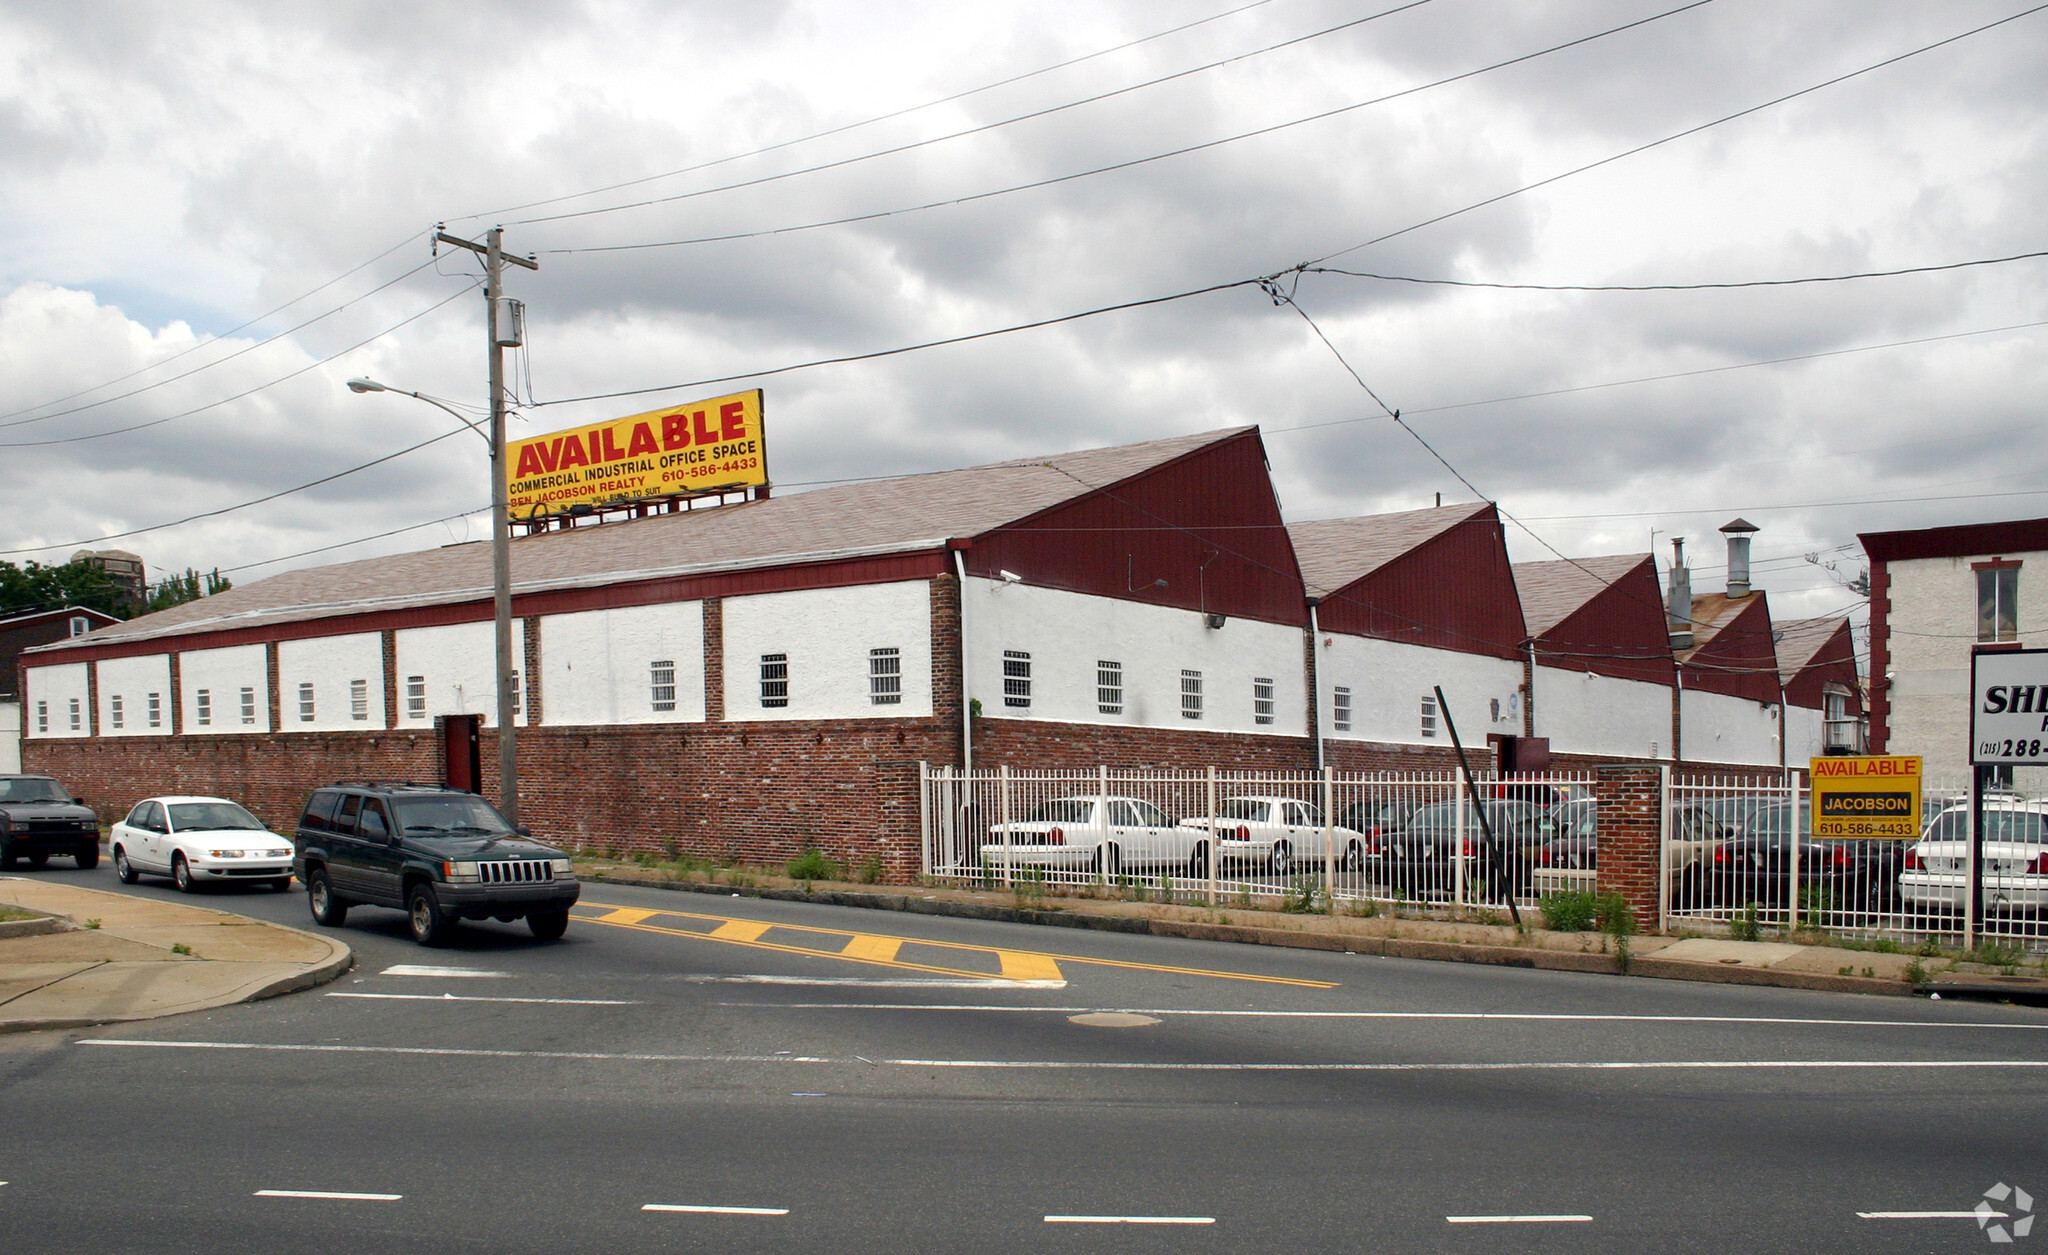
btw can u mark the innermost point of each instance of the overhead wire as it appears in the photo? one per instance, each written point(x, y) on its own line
point(360, 540)
point(1675, 287)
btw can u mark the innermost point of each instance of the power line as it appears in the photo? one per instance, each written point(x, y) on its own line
point(1791, 505)
point(1047, 111)
point(1135, 161)
point(885, 117)
point(1673, 287)
point(307, 553)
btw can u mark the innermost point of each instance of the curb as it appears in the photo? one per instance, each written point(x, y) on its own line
point(1244, 934)
point(33, 927)
point(320, 974)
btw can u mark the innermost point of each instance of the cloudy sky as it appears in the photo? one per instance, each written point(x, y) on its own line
point(211, 215)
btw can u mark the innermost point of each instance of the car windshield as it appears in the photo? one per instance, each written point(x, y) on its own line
point(1066, 810)
point(1245, 808)
point(2023, 827)
point(450, 812)
point(32, 789)
point(212, 817)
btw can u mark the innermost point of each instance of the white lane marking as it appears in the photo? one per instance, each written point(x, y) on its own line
point(1927, 1215)
point(1130, 1220)
point(716, 1211)
point(1517, 1219)
point(855, 982)
point(553, 1002)
point(1379, 1015)
point(1649, 1065)
point(331, 1194)
point(423, 969)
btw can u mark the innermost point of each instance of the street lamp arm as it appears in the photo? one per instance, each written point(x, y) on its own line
point(371, 385)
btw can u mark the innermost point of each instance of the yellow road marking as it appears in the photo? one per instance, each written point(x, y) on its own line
point(1022, 957)
point(869, 946)
point(627, 915)
point(779, 949)
point(1023, 965)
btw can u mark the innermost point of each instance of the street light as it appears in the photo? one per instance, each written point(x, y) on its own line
point(501, 586)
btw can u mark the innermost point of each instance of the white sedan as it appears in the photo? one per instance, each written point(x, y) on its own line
point(1935, 875)
point(1274, 834)
point(1100, 836)
point(197, 840)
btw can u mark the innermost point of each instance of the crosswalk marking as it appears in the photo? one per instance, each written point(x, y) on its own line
point(869, 946)
point(740, 930)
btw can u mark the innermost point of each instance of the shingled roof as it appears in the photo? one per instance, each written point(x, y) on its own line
point(1555, 591)
point(900, 515)
point(1335, 553)
point(1799, 640)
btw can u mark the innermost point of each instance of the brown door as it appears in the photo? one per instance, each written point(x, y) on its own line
point(460, 766)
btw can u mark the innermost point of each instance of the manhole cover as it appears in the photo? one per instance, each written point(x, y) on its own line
point(1112, 1019)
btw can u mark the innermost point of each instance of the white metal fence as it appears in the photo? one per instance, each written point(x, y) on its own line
point(1214, 836)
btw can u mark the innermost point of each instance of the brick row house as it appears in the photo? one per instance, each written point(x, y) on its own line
point(751, 679)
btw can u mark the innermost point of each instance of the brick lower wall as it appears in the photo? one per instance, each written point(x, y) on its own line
point(1631, 828)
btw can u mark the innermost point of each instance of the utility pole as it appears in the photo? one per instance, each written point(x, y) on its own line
point(501, 330)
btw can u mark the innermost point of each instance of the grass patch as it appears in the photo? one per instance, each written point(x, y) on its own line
point(1569, 910)
point(813, 865)
point(181, 948)
point(9, 914)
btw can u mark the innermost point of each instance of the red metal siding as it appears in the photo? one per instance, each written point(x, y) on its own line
point(1453, 591)
point(1833, 662)
point(1967, 540)
point(1741, 660)
point(1207, 523)
point(1620, 632)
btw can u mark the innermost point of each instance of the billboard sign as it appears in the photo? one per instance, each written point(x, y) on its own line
point(1875, 796)
point(698, 447)
point(2009, 708)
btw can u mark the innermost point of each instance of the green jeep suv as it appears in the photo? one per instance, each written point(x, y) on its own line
point(438, 854)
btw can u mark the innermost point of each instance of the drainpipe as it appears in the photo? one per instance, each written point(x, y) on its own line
point(1529, 691)
point(1315, 675)
point(966, 703)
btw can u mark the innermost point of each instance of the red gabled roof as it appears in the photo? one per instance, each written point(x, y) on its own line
point(1437, 577)
point(1604, 615)
point(1733, 651)
point(1811, 654)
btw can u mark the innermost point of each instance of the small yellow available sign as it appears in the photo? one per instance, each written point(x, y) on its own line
point(1867, 797)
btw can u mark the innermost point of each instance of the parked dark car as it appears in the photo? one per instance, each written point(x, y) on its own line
point(1756, 867)
point(1575, 841)
point(1379, 823)
point(438, 854)
point(1423, 862)
point(39, 817)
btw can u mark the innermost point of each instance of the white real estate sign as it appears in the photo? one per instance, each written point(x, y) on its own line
point(2009, 708)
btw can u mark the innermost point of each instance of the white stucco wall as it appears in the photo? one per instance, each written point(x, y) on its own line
point(1583, 713)
point(827, 633)
point(133, 680)
point(1933, 622)
point(1389, 679)
point(10, 736)
point(595, 664)
point(459, 663)
point(331, 664)
point(1805, 735)
point(224, 673)
point(59, 686)
point(1716, 728)
point(1067, 633)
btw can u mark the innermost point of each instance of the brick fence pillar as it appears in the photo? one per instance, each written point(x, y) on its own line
point(1632, 837)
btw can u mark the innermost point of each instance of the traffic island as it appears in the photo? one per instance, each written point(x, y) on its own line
point(75, 957)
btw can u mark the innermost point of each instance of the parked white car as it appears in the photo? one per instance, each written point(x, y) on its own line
point(1078, 834)
point(1935, 876)
point(1274, 834)
point(198, 840)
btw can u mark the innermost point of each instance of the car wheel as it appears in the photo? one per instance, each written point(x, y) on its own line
point(430, 927)
point(548, 925)
point(1109, 861)
point(1280, 859)
point(181, 874)
point(39, 860)
point(6, 856)
point(1354, 858)
point(328, 910)
point(123, 868)
point(1198, 862)
point(283, 885)
point(88, 857)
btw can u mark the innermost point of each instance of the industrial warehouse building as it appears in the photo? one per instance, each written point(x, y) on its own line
point(750, 679)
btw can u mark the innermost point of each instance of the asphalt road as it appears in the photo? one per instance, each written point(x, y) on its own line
point(863, 1081)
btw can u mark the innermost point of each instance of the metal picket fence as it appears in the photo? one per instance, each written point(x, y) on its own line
point(1315, 839)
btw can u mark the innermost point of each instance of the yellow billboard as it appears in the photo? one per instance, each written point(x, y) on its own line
point(696, 447)
point(1875, 796)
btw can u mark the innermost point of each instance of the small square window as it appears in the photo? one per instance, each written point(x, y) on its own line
point(885, 677)
point(1429, 717)
point(1191, 695)
point(1109, 687)
point(516, 694)
point(774, 680)
point(359, 699)
point(75, 720)
point(1340, 709)
point(202, 708)
point(1016, 679)
point(1262, 701)
point(305, 702)
point(661, 684)
point(114, 711)
point(154, 704)
point(248, 706)
point(42, 716)
point(415, 697)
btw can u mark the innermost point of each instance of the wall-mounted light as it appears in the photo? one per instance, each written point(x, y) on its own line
point(1213, 621)
point(1011, 577)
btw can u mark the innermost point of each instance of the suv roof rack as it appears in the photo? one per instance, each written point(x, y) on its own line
point(387, 784)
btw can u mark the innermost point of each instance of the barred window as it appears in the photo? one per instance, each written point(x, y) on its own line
point(774, 680)
point(305, 701)
point(75, 722)
point(1340, 709)
point(1429, 717)
point(114, 712)
point(415, 697)
point(1017, 679)
point(1109, 687)
point(202, 708)
point(1262, 701)
point(885, 677)
point(248, 705)
point(359, 699)
point(661, 684)
point(1191, 695)
point(42, 716)
point(154, 703)
point(516, 695)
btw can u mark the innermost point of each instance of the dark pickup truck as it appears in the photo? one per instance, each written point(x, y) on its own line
point(438, 854)
point(39, 817)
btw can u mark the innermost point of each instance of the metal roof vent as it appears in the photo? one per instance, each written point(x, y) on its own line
point(1738, 534)
point(1678, 609)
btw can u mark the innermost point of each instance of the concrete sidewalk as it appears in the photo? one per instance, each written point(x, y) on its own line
point(1786, 964)
point(89, 957)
